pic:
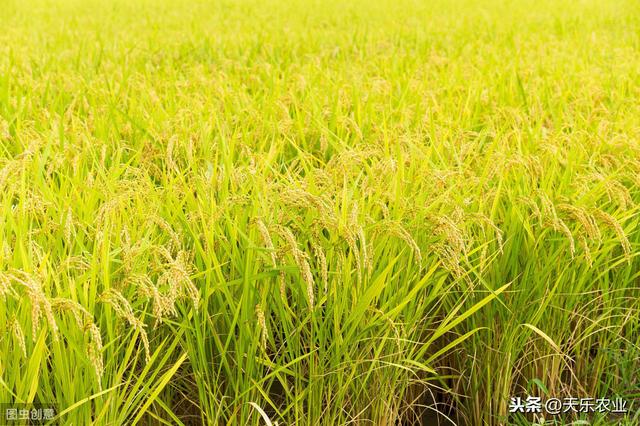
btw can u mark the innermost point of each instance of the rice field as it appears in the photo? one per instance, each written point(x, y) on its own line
point(262, 212)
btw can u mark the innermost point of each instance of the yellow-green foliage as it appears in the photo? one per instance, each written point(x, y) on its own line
point(318, 212)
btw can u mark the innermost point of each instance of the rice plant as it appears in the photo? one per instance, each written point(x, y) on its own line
point(319, 213)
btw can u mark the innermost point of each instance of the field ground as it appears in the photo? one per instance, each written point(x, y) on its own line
point(319, 212)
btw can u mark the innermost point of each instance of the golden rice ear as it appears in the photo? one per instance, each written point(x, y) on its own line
point(127, 250)
point(67, 305)
point(40, 304)
point(94, 350)
point(560, 226)
point(162, 306)
point(85, 322)
point(481, 217)
point(321, 259)
point(533, 206)
point(395, 228)
point(177, 271)
point(614, 189)
point(584, 218)
point(350, 238)
point(73, 263)
point(69, 227)
point(587, 251)
point(301, 259)
point(397, 328)
point(450, 259)
point(4, 128)
point(383, 208)
point(266, 240)
point(16, 330)
point(123, 309)
point(548, 209)
point(613, 224)
point(262, 323)
point(175, 243)
point(450, 232)
point(299, 197)
point(5, 285)
point(358, 231)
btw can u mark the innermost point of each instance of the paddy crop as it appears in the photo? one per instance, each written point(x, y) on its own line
point(297, 213)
